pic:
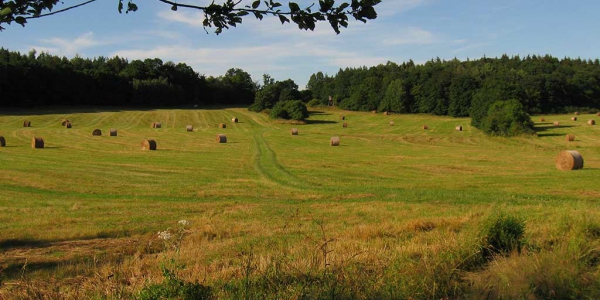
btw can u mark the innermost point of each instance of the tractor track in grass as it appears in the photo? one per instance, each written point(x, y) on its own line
point(267, 166)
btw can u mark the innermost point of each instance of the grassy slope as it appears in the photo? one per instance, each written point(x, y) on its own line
point(265, 190)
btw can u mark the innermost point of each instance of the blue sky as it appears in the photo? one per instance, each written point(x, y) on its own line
point(405, 29)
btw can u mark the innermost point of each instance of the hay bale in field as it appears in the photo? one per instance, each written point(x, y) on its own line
point(37, 142)
point(458, 128)
point(425, 127)
point(391, 123)
point(335, 141)
point(189, 128)
point(385, 113)
point(570, 137)
point(234, 120)
point(556, 124)
point(374, 111)
point(569, 160)
point(574, 119)
point(343, 118)
point(156, 125)
point(294, 131)
point(26, 124)
point(64, 122)
point(112, 132)
point(591, 122)
point(345, 125)
point(542, 120)
point(97, 132)
point(222, 125)
point(148, 145)
point(68, 125)
point(598, 114)
point(2, 141)
point(221, 138)
point(576, 113)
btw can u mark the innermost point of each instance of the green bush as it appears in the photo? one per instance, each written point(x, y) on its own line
point(507, 118)
point(289, 110)
point(278, 111)
point(502, 234)
point(314, 103)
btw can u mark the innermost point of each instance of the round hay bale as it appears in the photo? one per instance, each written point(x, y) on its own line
point(189, 128)
point(556, 124)
point(391, 123)
point(2, 141)
point(385, 113)
point(591, 122)
point(37, 142)
point(345, 125)
point(97, 132)
point(343, 118)
point(374, 111)
point(335, 141)
point(221, 138)
point(234, 120)
point(569, 160)
point(64, 122)
point(156, 125)
point(576, 113)
point(570, 137)
point(425, 127)
point(458, 128)
point(26, 124)
point(294, 131)
point(574, 119)
point(68, 125)
point(542, 120)
point(222, 125)
point(148, 145)
point(112, 132)
point(598, 114)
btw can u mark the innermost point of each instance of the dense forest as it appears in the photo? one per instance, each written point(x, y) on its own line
point(530, 85)
point(44, 79)
point(542, 84)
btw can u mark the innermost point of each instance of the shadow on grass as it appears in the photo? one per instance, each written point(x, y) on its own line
point(310, 122)
point(14, 270)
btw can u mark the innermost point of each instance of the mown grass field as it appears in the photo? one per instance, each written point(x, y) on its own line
point(393, 212)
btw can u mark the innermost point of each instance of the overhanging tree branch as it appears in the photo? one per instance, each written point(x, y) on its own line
point(221, 16)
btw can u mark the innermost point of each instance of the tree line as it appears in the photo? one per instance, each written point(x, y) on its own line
point(540, 85)
point(34, 79)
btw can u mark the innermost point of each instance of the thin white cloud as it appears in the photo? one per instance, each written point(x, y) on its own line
point(412, 36)
point(193, 19)
point(66, 47)
point(392, 7)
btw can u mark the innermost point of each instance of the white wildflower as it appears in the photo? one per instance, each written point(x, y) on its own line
point(184, 222)
point(164, 235)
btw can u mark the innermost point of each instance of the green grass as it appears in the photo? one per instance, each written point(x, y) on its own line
point(391, 197)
